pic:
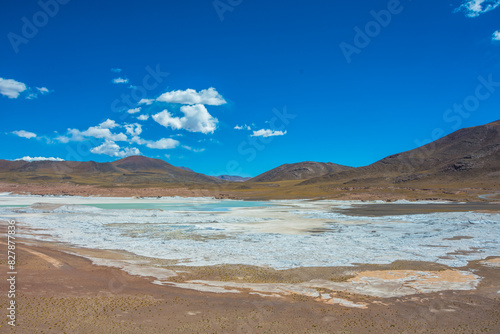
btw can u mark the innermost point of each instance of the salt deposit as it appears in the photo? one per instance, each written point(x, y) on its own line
point(283, 234)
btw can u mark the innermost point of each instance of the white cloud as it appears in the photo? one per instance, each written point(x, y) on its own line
point(267, 133)
point(197, 150)
point(33, 94)
point(63, 139)
point(73, 134)
point(112, 149)
point(190, 96)
point(24, 134)
point(104, 133)
point(243, 127)
point(101, 131)
point(11, 88)
point(496, 36)
point(196, 119)
point(110, 146)
point(134, 111)
point(134, 129)
point(120, 80)
point(30, 159)
point(97, 132)
point(43, 90)
point(108, 124)
point(147, 102)
point(163, 144)
point(474, 8)
point(143, 117)
point(116, 70)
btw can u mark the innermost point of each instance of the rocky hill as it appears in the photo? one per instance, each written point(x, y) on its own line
point(299, 171)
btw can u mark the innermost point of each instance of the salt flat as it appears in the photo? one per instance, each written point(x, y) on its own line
point(280, 235)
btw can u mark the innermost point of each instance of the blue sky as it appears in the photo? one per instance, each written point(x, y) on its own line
point(240, 87)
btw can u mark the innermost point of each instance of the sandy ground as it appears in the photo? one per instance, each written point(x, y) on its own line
point(62, 293)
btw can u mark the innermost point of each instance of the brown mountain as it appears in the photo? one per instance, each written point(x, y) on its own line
point(158, 170)
point(299, 171)
point(57, 167)
point(467, 155)
point(141, 163)
point(131, 170)
point(185, 168)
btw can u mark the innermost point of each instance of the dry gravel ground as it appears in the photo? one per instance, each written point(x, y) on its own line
point(62, 293)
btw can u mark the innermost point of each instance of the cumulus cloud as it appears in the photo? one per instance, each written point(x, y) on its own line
point(134, 111)
point(24, 134)
point(110, 146)
point(163, 144)
point(62, 139)
point(30, 159)
point(147, 102)
point(120, 80)
point(101, 131)
point(97, 132)
point(11, 88)
point(108, 124)
point(243, 127)
point(267, 133)
point(116, 70)
point(143, 117)
point(496, 36)
point(134, 129)
point(114, 150)
point(196, 119)
point(190, 96)
point(474, 8)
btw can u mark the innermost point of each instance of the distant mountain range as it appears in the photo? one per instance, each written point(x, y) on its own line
point(131, 170)
point(300, 171)
point(470, 155)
